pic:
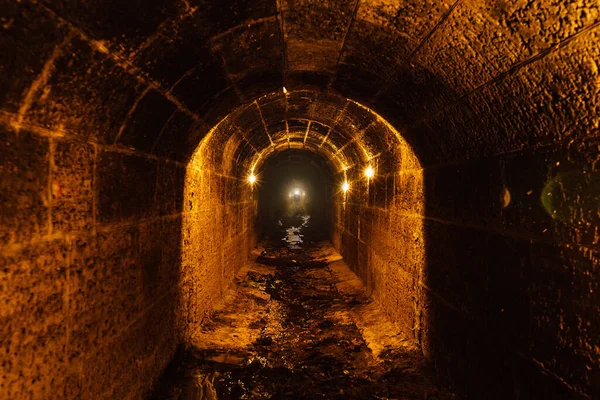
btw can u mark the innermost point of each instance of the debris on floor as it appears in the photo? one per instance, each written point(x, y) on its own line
point(298, 325)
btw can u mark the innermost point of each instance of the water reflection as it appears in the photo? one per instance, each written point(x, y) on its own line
point(293, 236)
point(297, 324)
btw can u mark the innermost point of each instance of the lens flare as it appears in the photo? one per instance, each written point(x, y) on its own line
point(345, 186)
point(369, 172)
point(252, 179)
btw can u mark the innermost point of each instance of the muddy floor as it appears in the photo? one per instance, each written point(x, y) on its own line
point(297, 324)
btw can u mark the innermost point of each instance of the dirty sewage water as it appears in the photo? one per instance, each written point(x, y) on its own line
point(297, 324)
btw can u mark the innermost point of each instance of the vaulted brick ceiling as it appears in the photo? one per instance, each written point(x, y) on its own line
point(458, 79)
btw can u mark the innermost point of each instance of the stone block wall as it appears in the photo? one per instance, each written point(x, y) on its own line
point(510, 275)
point(90, 258)
point(218, 234)
point(378, 228)
point(490, 265)
point(90, 227)
point(508, 141)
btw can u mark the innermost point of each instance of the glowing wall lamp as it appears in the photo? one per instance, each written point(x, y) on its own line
point(252, 179)
point(369, 172)
point(345, 186)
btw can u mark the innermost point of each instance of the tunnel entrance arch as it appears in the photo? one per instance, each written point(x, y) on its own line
point(295, 183)
point(375, 224)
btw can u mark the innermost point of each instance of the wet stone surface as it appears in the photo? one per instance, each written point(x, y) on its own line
point(297, 325)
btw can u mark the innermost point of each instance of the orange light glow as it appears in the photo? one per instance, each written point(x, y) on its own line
point(252, 179)
point(345, 186)
point(369, 172)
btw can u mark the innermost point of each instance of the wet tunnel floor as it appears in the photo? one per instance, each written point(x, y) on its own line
point(297, 324)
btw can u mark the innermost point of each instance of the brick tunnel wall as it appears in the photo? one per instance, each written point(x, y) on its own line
point(219, 231)
point(94, 293)
point(90, 236)
point(377, 227)
point(508, 294)
point(478, 263)
point(506, 303)
point(512, 231)
point(510, 279)
point(89, 261)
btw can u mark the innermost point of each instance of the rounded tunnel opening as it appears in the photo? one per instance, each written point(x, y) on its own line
point(295, 188)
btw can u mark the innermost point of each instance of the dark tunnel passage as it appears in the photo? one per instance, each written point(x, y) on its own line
point(295, 183)
point(448, 151)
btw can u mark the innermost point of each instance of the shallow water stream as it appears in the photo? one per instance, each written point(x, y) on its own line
point(297, 325)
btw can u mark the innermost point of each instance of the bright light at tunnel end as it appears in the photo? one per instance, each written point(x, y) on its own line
point(369, 172)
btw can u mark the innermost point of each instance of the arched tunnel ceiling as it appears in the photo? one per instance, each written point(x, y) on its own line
point(299, 159)
point(341, 130)
point(458, 79)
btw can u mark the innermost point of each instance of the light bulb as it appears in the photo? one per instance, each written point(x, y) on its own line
point(369, 172)
point(252, 179)
point(345, 186)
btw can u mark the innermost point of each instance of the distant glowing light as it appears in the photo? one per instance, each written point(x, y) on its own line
point(345, 186)
point(297, 192)
point(369, 172)
point(252, 179)
point(284, 90)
